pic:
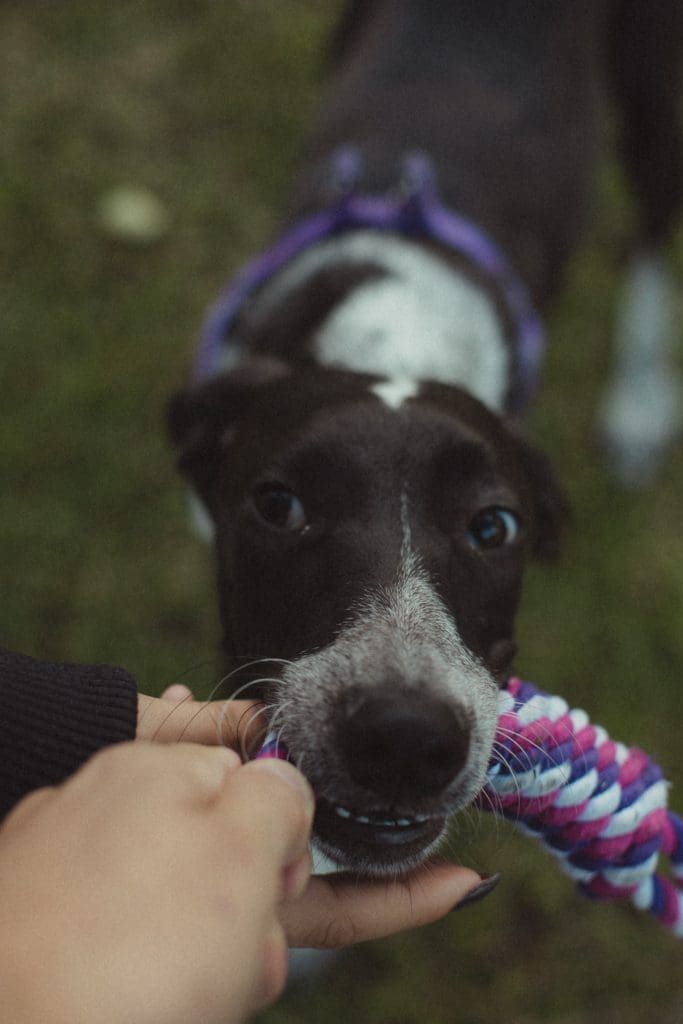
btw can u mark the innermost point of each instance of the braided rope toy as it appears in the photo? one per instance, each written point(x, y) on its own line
point(599, 807)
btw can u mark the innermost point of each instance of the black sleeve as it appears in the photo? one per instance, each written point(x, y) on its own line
point(54, 716)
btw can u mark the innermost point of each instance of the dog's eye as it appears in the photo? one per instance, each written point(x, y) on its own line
point(492, 528)
point(279, 508)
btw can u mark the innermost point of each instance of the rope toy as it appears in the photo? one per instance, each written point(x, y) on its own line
point(599, 807)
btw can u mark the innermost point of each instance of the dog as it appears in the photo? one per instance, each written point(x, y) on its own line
point(354, 435)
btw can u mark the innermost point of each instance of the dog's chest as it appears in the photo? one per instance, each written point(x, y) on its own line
point(414, 319)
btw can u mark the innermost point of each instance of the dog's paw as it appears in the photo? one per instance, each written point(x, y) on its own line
point(641, 412)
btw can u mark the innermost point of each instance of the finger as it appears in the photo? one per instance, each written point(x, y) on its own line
point(209, 767)
point(27, 807)
point(338, 910)
point(176, 693)
point(273, 979)
point(231, 723)
point(270, 806)
point(297, 876)
point(186, 771)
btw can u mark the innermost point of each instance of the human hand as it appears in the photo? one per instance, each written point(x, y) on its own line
point(335, 910)
point(146, 888)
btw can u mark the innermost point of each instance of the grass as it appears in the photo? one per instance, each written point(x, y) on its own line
point(205, 105)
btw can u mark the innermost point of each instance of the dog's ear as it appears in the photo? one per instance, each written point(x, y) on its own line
point(549, 501)
point(201, 418)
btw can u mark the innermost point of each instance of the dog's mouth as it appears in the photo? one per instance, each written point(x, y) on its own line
point(377, 840)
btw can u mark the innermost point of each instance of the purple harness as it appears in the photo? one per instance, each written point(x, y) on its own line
point(415, 211)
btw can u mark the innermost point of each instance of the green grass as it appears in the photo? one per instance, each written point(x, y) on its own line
point(205, 104)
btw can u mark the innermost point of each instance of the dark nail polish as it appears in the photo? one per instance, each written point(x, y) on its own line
point(486, 886)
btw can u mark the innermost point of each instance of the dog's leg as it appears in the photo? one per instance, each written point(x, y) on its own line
point(641, 407)
point(641, 412)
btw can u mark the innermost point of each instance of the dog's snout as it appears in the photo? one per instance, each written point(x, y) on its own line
point(403, 747)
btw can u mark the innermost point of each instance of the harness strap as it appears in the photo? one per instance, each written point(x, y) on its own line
point(414, 211)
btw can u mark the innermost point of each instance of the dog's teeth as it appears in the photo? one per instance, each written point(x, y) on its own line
point(377, 821)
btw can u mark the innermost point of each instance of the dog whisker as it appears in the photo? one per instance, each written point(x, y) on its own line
point(254, 714)
point(170, 714)
point(203, 706)
point(263, 710)
point(229, 701)
point(523, 746)
point(497, 806)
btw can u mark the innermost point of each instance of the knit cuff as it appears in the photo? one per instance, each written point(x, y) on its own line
point(54, 716)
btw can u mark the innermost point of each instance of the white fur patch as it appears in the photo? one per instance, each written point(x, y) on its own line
point(423, 321)
point(406, 532)
point(394, 392)
point(200, 520)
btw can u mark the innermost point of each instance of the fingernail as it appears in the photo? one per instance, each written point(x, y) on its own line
point(486, 886)
point(177, 692)
point(288, 773)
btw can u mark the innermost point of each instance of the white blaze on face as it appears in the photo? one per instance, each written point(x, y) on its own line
point(395, 391)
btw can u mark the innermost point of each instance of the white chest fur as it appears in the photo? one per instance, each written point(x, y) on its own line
point(420, 320)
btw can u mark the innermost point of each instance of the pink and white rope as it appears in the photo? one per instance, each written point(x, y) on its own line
point(599, 807)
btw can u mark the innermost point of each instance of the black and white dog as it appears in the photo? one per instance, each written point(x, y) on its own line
point(354, 442)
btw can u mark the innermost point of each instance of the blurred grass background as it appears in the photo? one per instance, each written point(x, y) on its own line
point(205, 104)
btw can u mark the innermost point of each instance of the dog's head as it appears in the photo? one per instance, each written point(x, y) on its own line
point(378, 546)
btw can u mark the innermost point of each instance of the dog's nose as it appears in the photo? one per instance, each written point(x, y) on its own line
point(403, 746)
